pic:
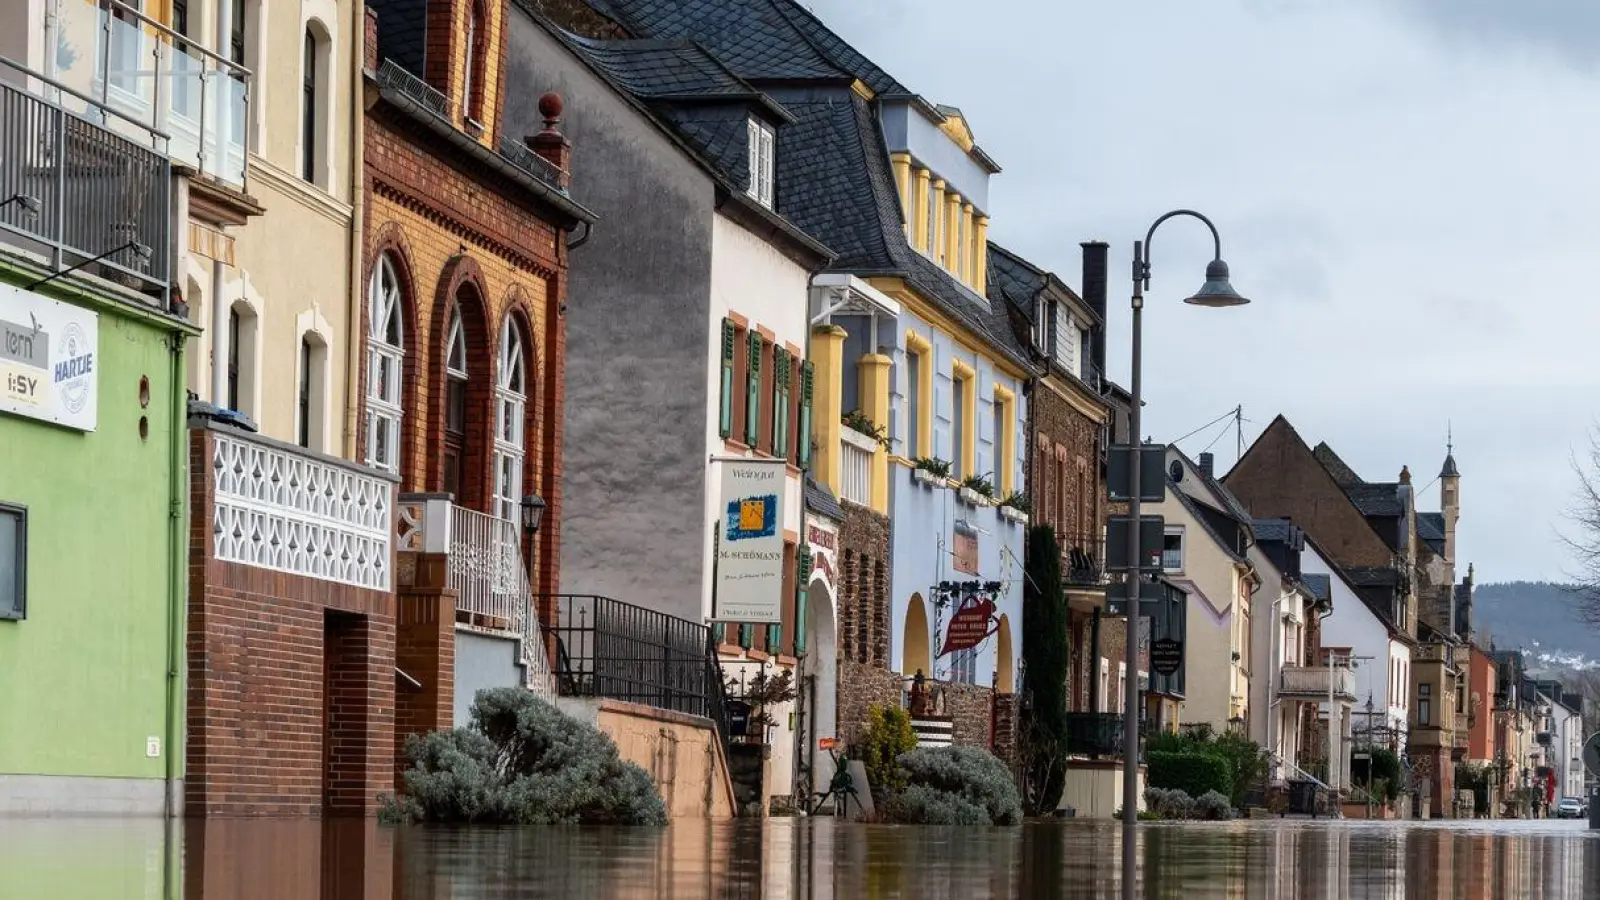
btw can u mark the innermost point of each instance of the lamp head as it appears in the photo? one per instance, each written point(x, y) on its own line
point(532, 512)
point(1216, 291)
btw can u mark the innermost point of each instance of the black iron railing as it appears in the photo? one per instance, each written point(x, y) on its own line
point(609, 649)
point(1096, 734)
point(1083, 559)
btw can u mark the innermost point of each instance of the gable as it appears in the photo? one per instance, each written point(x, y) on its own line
point(1280, 477)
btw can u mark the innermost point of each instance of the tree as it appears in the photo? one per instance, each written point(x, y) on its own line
point(1583, 539)
point(1045, 661)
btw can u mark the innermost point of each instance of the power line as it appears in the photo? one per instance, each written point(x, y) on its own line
point(1227, 415)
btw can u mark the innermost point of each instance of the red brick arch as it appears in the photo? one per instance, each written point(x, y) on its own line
point(461, 284)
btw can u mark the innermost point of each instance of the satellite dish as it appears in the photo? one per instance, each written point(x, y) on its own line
point(1591, 754)
point(1176, 471)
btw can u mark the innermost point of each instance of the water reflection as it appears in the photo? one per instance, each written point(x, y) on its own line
point(791, 860)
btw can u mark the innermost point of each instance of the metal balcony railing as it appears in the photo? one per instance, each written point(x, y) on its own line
point(609, 649)
point(163, 81)
point(1083, 559)
point(1096, 734)
point(73, 189)
point(489, 576)
point(1317, 681)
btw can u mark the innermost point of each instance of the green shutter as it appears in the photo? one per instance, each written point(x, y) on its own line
point(718, 630)
point(725, 421)
point(802, 577)
point(752, 406)
point(806, 385)
point(780, 402)
point(747, 636)
point(774, 639)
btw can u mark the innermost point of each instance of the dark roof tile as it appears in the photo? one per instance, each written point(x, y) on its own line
point(820, 500)
point(1377, 498)
point(1321, 586)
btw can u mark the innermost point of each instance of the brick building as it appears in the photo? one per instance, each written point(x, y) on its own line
point(466, 236)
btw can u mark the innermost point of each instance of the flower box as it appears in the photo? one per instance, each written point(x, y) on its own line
point(972, 497)
point(927, 478)
point(1013, 514)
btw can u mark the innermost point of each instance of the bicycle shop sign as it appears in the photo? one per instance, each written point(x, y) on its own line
point(49, 359)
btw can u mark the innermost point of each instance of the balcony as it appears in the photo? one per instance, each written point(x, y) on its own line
point(1095, 734)
point(74, 190)
point(1083, 560)
point(855, 466)
point(156, 81)
point(1316, 682)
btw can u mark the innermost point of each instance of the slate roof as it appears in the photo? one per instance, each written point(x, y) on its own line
point(1449, 469)
point(1271, 529)
point(402, 32)
point(1194, 511)
point(1372, 576)
point(1336, 467)
point(1321, 586)
point(820, 500)
point(834, 178)
point(1230, 503)
point(656, 69)
point(1377, 498)
point(1430, 527)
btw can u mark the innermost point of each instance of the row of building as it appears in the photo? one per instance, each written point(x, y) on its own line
point(645, 353)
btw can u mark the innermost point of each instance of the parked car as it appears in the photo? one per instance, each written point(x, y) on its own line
point(1570, 808)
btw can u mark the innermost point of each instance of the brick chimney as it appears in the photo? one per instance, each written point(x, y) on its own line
point(1094, 294)
point(1405, 474)
point(370, 45)
point(1208, 465)
point(550, 143)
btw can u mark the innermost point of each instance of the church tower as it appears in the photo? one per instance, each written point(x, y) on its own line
point(1450, 502)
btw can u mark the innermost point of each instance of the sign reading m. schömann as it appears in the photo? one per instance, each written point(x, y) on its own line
point(48, 359)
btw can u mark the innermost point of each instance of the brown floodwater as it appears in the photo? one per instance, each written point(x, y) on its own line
point(785, 859)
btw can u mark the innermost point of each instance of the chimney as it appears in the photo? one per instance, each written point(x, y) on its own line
point(1405, 474)
point(370, 45)
point(1208, 463)
point(550, 143)
point(1094, 294)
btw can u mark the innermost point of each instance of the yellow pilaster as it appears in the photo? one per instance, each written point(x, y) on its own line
point(827, 364)
point(919, 207)
point(935, 244)
point(902, 183)
point(922, 347)
point(1005, 464)
point(980, 252)
point(968, 232)
point(874, 375)
point(952, 231)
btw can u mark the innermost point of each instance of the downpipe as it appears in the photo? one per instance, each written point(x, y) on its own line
point(177, 593)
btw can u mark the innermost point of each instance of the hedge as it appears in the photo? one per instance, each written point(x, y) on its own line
point(1195, 774)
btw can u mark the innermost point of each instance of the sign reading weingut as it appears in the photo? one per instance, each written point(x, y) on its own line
point(749, 584)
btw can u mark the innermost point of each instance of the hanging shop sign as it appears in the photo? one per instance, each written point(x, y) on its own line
point(972, 623)
point(749, 585)
point(49, 359)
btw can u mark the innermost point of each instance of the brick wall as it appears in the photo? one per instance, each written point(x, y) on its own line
point(291, 683)
point(1066, 483)
point(425, 637)
point(862, 687)
point(1005, 729)
point(458, 234)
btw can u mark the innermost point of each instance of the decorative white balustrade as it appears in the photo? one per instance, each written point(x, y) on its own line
point(855, 466)
point(278, 509)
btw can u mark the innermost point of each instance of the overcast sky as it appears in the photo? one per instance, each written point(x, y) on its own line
point(1408, 189)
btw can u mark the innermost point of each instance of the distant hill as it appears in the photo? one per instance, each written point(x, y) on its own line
point(1539, 618)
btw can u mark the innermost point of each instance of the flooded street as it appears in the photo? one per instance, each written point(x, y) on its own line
point(791, 860)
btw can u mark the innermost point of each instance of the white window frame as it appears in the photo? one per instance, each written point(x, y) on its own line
point(510, 420)
point(1183, 548)
point(385, 366)
point(762, 141)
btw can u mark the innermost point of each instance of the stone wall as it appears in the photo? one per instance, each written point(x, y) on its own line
point(971, 708)
point(1066, 484)
point(863, 620)
point(860, 688)
point(1005, 729)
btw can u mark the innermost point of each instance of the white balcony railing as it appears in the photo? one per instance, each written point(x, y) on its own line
point(162, 80)
point(277, 508)
point(855, 466)
point(1317, 681)
point(491, 581)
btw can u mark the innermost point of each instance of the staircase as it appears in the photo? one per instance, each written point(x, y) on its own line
point(494, 596)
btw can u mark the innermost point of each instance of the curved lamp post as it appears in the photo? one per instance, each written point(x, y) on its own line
point(1215, 292)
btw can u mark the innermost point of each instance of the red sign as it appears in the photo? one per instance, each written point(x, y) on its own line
point(827, 743)
point(971, 624)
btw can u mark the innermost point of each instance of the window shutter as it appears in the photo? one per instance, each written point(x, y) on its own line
point(753, 139)
point(806, 385)
point(725, 412)
point(802, 572)
point(774, 638)
point(752, 408)
point(718, 631)
point(747, 636)
point(780, 402)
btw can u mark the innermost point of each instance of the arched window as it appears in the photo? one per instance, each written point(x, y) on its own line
point(510, 437)
point(385, 360)
point(455, 402)
point(308, 108)
point(477, 49)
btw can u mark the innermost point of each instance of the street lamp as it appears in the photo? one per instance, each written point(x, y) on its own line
point(532, 512)
point(1215, 292)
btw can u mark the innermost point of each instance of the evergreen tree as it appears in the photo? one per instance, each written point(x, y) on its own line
point(1046, 661)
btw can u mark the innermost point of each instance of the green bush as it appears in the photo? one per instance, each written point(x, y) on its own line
point(1192, 773)
point(1169, 804)
point(1383, 769)
point(523, 762)
point(974, 776)
point(1245, 759)
point(888, 736)
point(919, 804)
point(1214, 807)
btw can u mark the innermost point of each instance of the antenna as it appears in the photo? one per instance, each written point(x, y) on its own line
point(1238, 422)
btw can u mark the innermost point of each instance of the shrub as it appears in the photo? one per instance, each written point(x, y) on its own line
point(888, 736)
point(522, 761)
point(934, 466)
point(1192, 773)
point(1214, 806)
point(919, 804)
point(1169, 804)
point(974, 776)
point(1383, 769)
point(1247, 762)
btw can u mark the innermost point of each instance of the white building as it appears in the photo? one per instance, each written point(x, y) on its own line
point(1382, 654)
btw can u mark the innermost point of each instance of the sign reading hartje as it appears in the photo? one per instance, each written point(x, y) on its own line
point(750, 546)
point(49, 359)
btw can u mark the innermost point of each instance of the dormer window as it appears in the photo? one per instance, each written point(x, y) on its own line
point(763, 155)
